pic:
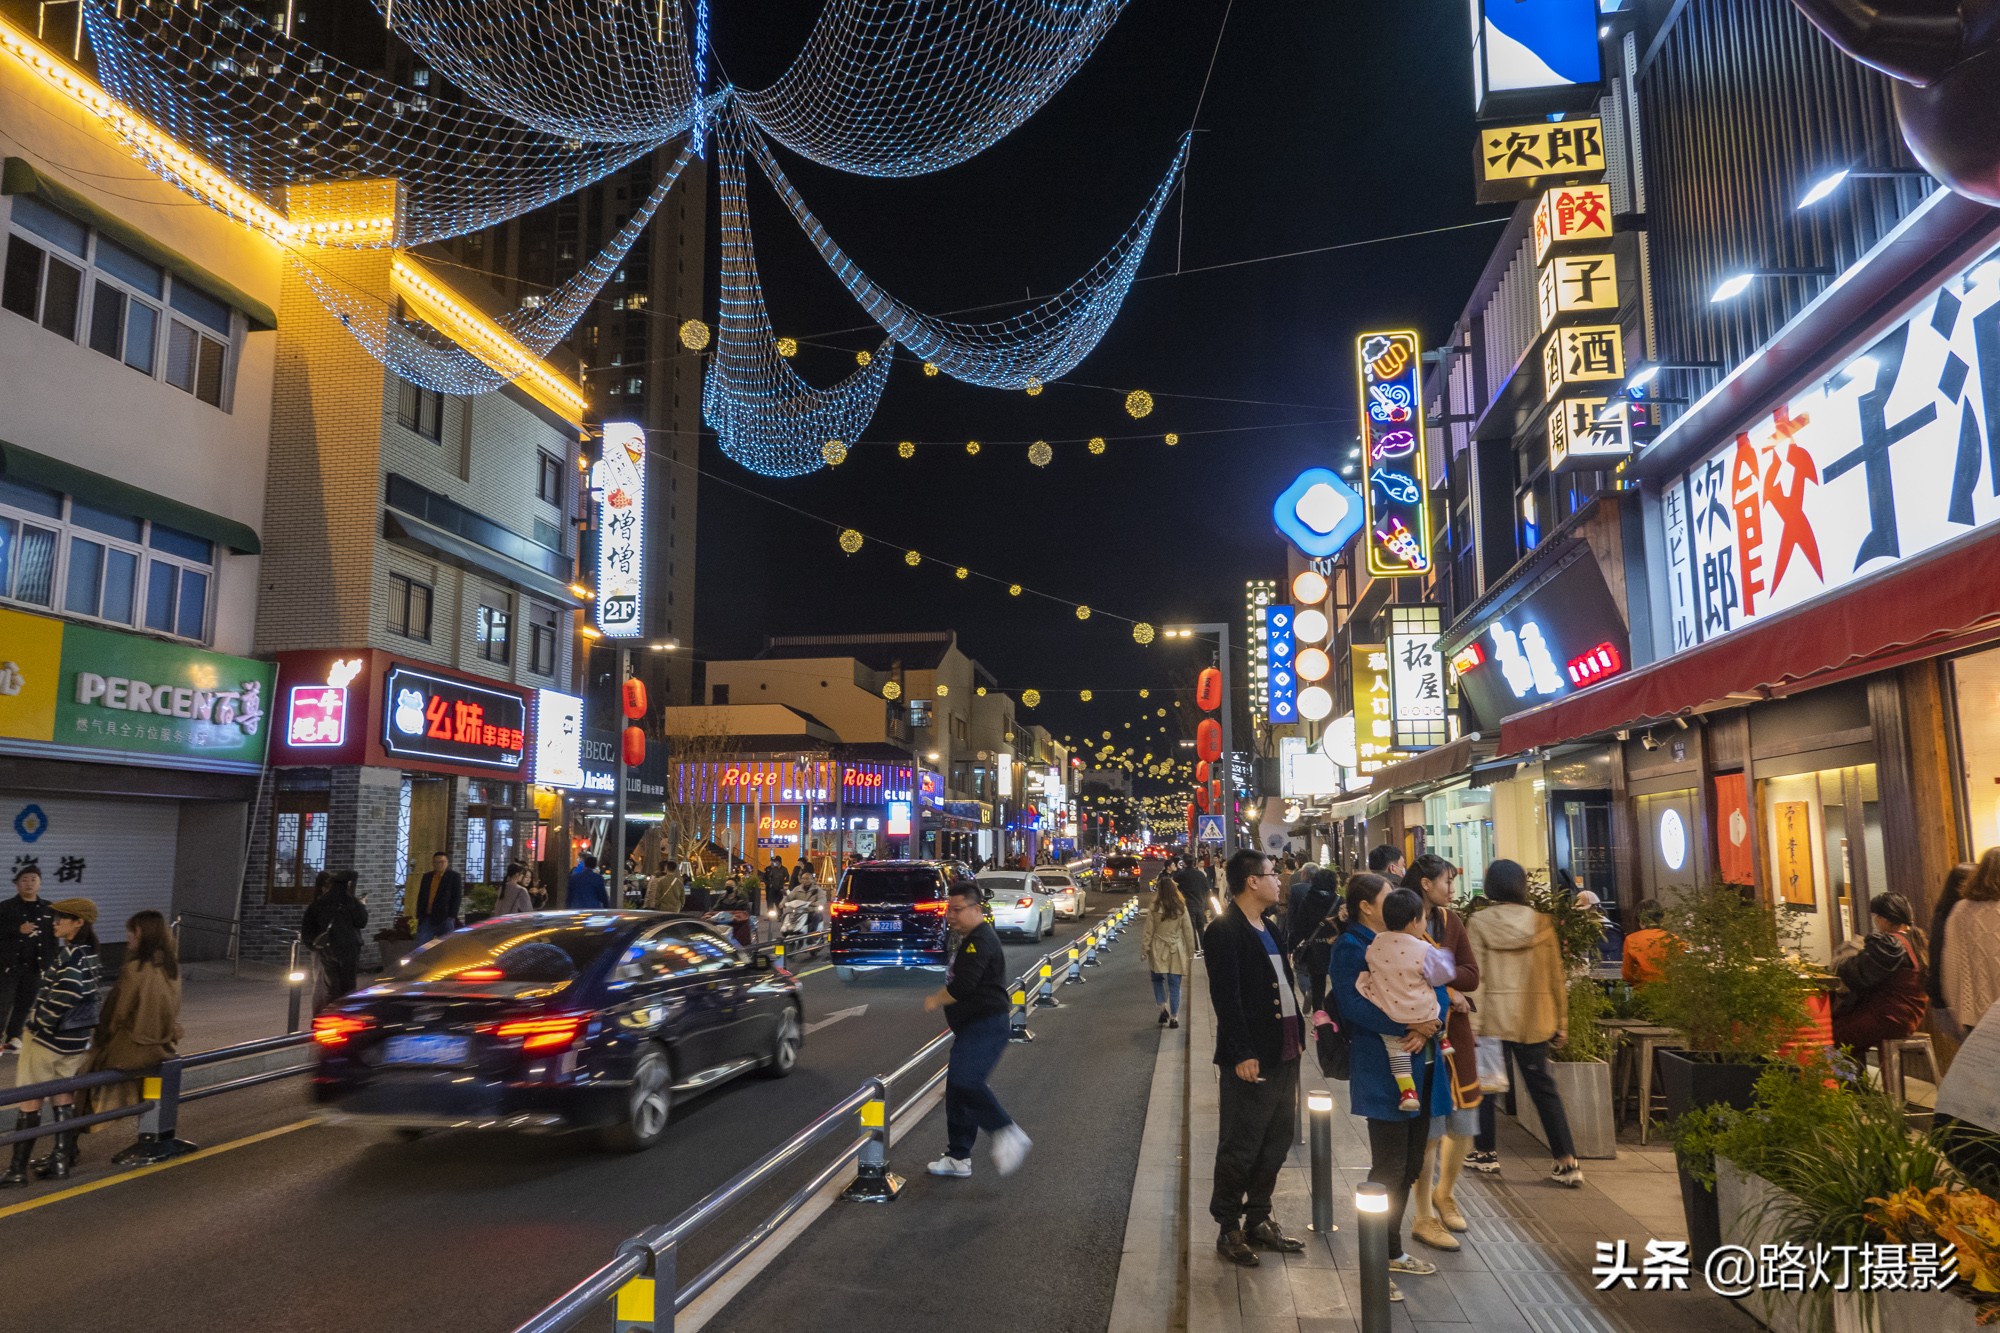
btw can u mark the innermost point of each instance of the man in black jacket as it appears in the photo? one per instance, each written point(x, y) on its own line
point(27, 943)
point(438, 897)
point(974, 1000)
point(1195, 890)
point(1259, 1035)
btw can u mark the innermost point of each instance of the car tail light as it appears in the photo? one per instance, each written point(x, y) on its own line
point(843, 909)
point(480, 974)
point(938, 906)
point(541, 1034)
point(1024, 902)
point(335, 1029)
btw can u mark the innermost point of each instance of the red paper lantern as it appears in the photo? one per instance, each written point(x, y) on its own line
point(1201, 771)
point(634, 746)
point(1208, 740)
point(1201, 800)
point(635, 697)
point(1215, 795)
point(1208, 690)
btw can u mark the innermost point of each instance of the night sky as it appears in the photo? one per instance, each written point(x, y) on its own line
point(1323, 123)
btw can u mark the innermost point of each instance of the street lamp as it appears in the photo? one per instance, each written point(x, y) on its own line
point(1736, 284)
point(1833, 180)
point(1220, 629)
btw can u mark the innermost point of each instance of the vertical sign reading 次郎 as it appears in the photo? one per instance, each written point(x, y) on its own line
point(1395, 491)
point(620, 482)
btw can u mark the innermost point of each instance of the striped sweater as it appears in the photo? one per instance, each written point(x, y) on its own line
point(68, 980)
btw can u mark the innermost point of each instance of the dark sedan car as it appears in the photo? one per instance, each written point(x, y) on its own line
point(890, 914)
point(557, 1020)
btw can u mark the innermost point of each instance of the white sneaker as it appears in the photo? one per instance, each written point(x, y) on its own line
point(1010, 1149)
point(957, 1167)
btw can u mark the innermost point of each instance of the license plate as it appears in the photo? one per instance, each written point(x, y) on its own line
point(886, 926)
point(427, 1048)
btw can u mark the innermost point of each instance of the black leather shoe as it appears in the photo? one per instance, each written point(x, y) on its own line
point(1266, 1235)
point(1235, 1247)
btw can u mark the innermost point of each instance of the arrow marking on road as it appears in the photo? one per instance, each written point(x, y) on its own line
point(835, 1017)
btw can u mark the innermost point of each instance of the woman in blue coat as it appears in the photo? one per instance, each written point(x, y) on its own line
point(1396, 1138)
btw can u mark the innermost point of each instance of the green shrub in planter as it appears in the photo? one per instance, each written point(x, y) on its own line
point(1733, 988)
point(1588, 1008)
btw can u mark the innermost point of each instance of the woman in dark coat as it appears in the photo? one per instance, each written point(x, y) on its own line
point(332, 927)
point(1884, 991)
point(1436, 1214)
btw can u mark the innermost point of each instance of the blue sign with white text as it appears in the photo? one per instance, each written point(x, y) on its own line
point(1524, 50)
point(1284, 682)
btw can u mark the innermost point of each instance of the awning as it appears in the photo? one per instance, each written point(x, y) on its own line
point(94, 488)
point(1916, 609)
point(18, 176)
point(454, 549)
point(1446, 761)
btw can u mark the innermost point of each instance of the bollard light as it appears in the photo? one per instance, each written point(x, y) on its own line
point(1371, 1206)
point(1319, 1101)
point(1319, 1114)
point(296, 977)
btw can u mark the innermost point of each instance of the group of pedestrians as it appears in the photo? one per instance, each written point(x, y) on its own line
point(60, 1025)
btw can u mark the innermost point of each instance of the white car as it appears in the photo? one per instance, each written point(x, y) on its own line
point(1018, 903)
point(1066, 894)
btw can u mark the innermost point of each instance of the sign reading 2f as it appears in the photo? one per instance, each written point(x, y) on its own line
point(1395, 488)
point(620, 482)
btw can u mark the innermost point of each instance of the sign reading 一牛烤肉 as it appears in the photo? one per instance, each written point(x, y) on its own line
point(1896, 452)
point(1395, 489)
point(77, 691)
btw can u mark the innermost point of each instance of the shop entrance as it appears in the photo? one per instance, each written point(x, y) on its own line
point(430, 830)
point(1823, 853)
point(1580, 831)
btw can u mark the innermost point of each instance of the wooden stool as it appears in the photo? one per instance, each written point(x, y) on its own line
point(1642, 1045)
point(1891, 1054)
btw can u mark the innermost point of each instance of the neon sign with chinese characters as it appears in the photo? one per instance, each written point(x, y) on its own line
point(1395, 492)
point(452, 721)
point(316, 716)
point(1600, 662)
point(620, 482)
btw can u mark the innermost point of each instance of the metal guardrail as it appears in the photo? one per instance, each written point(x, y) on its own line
point(161, 1096)
point(643, 1278)
point(226, 926)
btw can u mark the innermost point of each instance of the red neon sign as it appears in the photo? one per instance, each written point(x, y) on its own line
point(1595, 665)
point(1468, 657)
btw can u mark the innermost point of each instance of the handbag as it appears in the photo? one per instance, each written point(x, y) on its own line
point(1492, 1054)
point(83, 1016)
point(1330, 1046)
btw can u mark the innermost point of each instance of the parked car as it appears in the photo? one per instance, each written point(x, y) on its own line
point(557, 1020)
point(1066, 893)
point(1017, 903)
point(890, 914)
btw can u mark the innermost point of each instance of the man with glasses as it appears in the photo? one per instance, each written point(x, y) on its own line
point(1259, 1035)
point(975, 1004)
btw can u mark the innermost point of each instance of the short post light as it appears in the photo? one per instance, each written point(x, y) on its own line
point(1371, 1209)
point(1319, 1112)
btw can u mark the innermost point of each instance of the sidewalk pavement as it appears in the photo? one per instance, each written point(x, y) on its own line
point(1525, 1265)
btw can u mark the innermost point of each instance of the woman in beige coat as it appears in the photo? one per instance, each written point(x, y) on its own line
point(1524, 1002)
point(1168, 943)
point(141, 1024)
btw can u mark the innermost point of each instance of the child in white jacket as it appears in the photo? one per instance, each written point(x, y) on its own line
point(1404, 971)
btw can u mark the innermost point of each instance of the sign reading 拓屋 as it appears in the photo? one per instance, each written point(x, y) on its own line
point(86, 693)
point(1416, 677)
point(620, 482)
point(1895, 453)
point(1569, 214)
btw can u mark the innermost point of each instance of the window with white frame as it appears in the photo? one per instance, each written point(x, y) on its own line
point(493, 631)
point(63, 554)
point(90, 289)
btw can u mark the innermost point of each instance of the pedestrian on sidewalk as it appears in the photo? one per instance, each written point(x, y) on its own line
point(1167, 940)
point(1396, 1135)
point(438, 896)
point(56, 1042)
point(1259, 1035)
point(1387, 861)
point(513, 898)
point(1435, 1213)
point(1524, 1001)
point(1194, 887)
point(586, 890)
point(141, 1027)
point(332, 927)
point(975, 1004)
point(27, 944)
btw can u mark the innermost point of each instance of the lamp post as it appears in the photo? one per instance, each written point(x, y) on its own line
point(1220, 629)
point(1371, 1209)
point(1319, 1111)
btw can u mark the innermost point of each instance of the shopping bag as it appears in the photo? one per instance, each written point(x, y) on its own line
point(1492, 1065)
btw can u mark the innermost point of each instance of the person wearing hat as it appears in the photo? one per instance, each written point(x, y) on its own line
point(57, 1039)
point(27, 942)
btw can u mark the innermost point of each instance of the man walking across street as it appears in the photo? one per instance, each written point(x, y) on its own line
point(438, 895)
point(1259, 1035)
point(775, 883)
point(27, 943)
point(974, 1000)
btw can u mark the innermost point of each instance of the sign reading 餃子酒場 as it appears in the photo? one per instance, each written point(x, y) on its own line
point(1896, 452)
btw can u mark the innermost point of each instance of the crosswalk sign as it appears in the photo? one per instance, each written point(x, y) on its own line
point(1208, 828)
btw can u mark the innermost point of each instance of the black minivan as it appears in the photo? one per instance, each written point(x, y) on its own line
point(890, 914)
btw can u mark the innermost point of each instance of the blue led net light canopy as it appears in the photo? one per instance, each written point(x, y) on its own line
point(894, 88)
point(763, 415)
point(272, 112)
point(1042, 343)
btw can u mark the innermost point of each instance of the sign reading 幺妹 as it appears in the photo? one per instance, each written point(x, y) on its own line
point(1896, 452)
point(1394, 487)
point(620, 482)
point(453, 721)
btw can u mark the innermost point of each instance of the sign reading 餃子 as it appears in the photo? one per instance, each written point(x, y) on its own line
point(453, 721)
point(1584, 354)
point(1588, 432)
point(1537, 56)
point(558, 739)
point(620, 482)
point(1416, 678)
point(1895, 453)
point(1517, 161)
point(1569, 214)
point(79, 692)
point(1581, 284)
point(1394, 486)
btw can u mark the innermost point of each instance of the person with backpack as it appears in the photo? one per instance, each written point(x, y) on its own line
point(1435, 1211)
point(1310, 910)
point(331, 928)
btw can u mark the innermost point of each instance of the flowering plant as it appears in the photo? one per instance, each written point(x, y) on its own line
point(1966, 1219)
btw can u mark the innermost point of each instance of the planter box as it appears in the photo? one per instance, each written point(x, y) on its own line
point(1688, 1083)
point(1585, 1089)
point(1742, 1198)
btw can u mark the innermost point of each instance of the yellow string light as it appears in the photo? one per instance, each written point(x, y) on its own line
point(1173, 438)
point(1013, 590)
point(1096, 445)
point(912, 559)
point(1138, 403)
point(962, 572)
point(1161, 713)
point(972, 447)
point(1145, 694)
point(1034, 387)
point(1085, 696)
point(1039, 453)
point(788, 347)
point(850, 540)
point(834, 452)
point(943, 690)
point(930, 369)
point(1083, 613)
point(980, 691)
point(891, 691)
point(1142, 634)
point(863, 357)
point(694, 334)
point(907, 449)
point(1031, 698)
